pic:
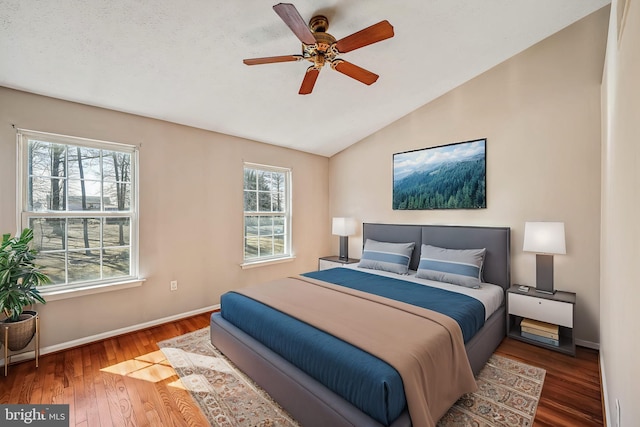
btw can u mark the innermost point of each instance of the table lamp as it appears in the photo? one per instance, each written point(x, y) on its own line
point(344, 227)
point(545, 239)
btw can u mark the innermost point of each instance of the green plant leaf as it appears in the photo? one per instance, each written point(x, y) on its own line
point(19, 275)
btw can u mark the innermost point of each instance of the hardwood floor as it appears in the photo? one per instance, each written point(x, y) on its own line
point(123, 381)
point(571, 395)
point(120, 381)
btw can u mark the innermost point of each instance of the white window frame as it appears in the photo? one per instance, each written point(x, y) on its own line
point(288, 251)
point(79, 288)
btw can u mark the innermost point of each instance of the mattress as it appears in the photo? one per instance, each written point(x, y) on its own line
point(365, 381)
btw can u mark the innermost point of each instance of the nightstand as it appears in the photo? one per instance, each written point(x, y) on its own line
point(334, 261)
point(557, 309)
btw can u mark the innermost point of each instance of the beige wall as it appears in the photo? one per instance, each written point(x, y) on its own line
point(540, 113)
point(620, 277)
point(190, 212)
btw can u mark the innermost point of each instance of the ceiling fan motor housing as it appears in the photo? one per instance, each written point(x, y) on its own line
point(321, 52)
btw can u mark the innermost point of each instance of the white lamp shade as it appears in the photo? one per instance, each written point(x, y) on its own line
point(344, 226)
point(544, 237)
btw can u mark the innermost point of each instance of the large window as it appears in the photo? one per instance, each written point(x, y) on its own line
point(80, 198)
point(267, 213)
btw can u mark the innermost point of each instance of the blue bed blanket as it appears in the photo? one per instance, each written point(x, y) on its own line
point(467, 311)
point(367, 382)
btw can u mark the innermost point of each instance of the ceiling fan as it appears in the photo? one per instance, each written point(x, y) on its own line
point(320, 47)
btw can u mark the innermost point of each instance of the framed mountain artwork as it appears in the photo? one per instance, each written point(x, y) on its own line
point(452, 176)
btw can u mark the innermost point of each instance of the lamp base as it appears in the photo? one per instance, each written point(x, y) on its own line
point(344, 248)
point(544, 274)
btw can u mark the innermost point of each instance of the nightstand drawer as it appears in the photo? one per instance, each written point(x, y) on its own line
point(324, 264)
point(334, 261)
point(556, 312)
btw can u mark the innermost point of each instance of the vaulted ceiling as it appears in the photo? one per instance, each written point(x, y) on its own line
point(181, 61)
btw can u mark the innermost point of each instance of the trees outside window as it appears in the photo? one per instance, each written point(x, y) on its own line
point(267, 213)
point(79, 197)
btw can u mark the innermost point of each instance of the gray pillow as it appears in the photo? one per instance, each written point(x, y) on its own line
point(393, 257)
point(456, 266)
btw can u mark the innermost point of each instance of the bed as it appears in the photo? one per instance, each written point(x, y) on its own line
point(316, 402)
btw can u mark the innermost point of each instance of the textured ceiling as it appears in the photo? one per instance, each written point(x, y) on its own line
point(181, 61)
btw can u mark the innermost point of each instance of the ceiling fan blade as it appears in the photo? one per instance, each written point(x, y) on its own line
point(373, 34)
point(272, 59)
point(355, 72)
point(292, 18)
point(309, 80)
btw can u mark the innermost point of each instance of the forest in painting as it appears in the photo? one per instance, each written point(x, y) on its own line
point(447, 177)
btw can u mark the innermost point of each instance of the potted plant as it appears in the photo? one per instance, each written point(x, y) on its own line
point(19, 278)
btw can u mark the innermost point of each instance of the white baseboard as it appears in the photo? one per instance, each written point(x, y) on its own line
point(588, 344)
point(109, 334)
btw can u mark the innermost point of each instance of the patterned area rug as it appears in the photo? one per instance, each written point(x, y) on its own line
point(508, 394)
point(226, 396)
point(508, 391)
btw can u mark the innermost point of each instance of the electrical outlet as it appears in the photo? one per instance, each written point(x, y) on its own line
point(617, 413)
point(174, 285)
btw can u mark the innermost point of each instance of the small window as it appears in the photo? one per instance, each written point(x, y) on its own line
point(79, 197)
point(267, 213)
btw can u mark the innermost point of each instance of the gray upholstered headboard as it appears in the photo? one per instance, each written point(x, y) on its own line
point(497, 263)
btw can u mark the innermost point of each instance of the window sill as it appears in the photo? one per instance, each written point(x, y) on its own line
point(61, 294)
point(254, 264)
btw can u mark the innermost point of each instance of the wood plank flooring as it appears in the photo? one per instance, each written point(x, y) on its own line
point(123, 381)
point(572, 393)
